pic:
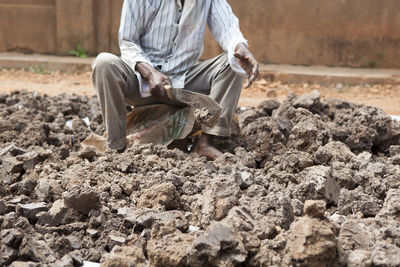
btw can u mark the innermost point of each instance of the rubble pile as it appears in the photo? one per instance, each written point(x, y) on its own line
point(305, 182)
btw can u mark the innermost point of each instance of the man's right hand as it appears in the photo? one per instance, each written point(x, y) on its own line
point(157, 80)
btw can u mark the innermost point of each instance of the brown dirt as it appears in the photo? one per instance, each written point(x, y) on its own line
point(153, 206)
point(386, 97)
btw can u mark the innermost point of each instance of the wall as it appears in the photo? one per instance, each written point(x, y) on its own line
point(305, 32)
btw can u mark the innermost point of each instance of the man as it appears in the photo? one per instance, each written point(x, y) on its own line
point(161, 42)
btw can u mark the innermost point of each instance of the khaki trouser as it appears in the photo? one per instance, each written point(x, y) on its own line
point(116, 84)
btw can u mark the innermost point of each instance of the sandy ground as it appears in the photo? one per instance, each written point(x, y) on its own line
point(386, 97)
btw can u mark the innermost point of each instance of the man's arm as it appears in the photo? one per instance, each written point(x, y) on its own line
point(224, 25)
point(133, 18)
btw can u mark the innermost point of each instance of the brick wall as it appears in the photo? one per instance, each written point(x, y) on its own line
point(306, 32)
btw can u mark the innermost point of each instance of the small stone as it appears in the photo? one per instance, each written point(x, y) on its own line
point(271, 93)
point(359, 257)
point(116, 239)
point(3, 207)
point(24, 264)
point(88, 153)
point(13, 150)
point(82, 199)
point(11, 237)
point(315, 208)
point(243, 179)
point(92, 233)
point(268, 106)
point(7, 255)
point(12, 165)
point(30, 210)
point(65, 261)
point(30, 159)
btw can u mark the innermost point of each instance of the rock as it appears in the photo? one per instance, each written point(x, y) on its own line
point(359, 257)
point(333, 152)
point(391, 205)
point(30, 210)
point(247, 116)
point(65, 261)
point(315, 208)
point(35, 250)
point(7, 255)
point(216, 200)
point(310, 101)
point(243, 179)
point(88, 152)
point(393, 150)
point(218, 246)
point(11, 165)
point(24, 264)
point(3, 207)
point(11, 237)
point(268, 106)
point(29, 159)
point(13, 150)
point(82, 199)
point(48, 190)
point(125, 257)
point(116, 239)
point(164, 195)
point(92, 233)
point(311, 242)
point(354, 201)
point(316, 183)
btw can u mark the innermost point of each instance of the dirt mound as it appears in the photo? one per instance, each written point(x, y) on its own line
point(302, 183)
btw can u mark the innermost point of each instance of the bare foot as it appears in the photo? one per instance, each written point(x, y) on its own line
point(204, 148)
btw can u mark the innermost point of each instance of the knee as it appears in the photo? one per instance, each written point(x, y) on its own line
point(104, 61)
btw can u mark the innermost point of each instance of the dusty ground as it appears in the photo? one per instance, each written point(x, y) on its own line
point(386, 97)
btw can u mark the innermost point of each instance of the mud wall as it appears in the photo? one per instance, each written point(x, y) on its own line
point(308, 32)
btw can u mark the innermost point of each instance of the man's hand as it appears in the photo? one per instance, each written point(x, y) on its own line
point(156, 79)
point(248, 62)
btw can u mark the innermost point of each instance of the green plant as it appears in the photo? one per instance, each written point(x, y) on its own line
point(37, 70)
point(79, 52)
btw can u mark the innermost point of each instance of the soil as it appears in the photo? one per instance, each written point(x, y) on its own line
point(53, 83)
point(303, 182)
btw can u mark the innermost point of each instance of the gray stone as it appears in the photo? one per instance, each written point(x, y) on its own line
point(65, 261)
point(11, 237)
point(244, 179)
point(92, 233)
point(217, 239)
point(116, 239)
point(394, 150)
point(13, 150)
point(391, 205)
point(30, 210)
point(30, 159)
point(358, 258)
point(269, 105)
point(7, 255)
point(3, 207)
point(307, 101)
point(11, 164)
point(317, 183)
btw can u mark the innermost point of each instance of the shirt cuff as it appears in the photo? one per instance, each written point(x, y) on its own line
point(233, 60)
point(143, 84)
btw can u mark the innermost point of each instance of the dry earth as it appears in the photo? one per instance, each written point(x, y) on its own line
point(386, 97)
point(303, 182)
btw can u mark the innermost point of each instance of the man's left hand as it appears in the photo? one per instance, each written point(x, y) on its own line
point(248, 62)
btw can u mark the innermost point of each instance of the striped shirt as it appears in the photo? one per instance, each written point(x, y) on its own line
point(170, 37)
